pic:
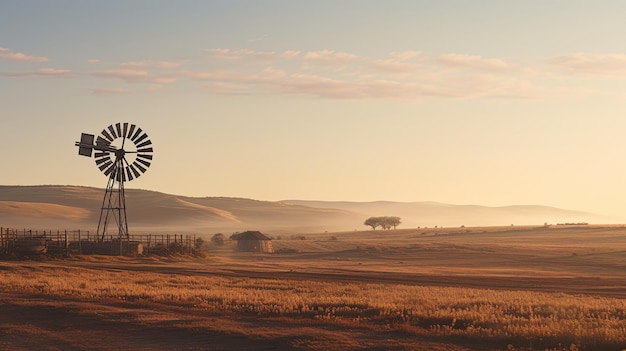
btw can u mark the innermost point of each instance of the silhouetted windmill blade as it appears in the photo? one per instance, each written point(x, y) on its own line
point(140, 167)
point(110, 169)
point(102, 141)
point(107, 135)
point(143, 162)
point(135, 172)
point(101, 154)
point(145, 150)
point(124, 130)
point(107, 164)
point(130, 131)
point(128, 174)
point(136, 134)
point(118, 127)
point(141, 138)
point(145, 143)
point(112, 130)
point(146, 156)
point(103, 160)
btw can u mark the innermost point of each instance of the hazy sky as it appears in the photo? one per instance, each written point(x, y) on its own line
point(465, 102)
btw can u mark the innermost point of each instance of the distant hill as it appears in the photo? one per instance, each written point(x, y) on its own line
point(70, 207)
point(73, 207)
point(428, 213)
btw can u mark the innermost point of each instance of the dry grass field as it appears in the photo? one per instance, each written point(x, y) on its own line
point(492, 288)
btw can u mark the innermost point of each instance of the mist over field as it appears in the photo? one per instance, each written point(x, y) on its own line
point(71, 207)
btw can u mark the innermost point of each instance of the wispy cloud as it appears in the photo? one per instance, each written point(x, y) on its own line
point(242, 54)
point(591, 63)
point(329, 58)
point(151, 64)
point(43, 72)
point(53, 72)
point(404, 55)
point(407, 75)
point(127, 74)
point(225, 88)
point(290, 54)
point(165, 79)
point(7, 54)
point(394, 66)
point(472, 61)
point(401, 75)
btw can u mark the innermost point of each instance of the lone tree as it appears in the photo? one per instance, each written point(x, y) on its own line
point(385, 222)
point(372, 222)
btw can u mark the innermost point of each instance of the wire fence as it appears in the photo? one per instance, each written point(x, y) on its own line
point(23, 242)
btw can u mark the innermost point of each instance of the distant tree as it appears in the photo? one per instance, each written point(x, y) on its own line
point(372, 222)
point(218, 239)
point(385, 222)
point(393, 221)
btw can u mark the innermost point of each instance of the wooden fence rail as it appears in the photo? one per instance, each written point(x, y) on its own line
point(23, 242)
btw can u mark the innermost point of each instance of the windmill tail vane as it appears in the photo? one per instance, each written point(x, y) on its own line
point(123, 152)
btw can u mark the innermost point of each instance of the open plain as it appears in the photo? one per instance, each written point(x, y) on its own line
point(558, 287)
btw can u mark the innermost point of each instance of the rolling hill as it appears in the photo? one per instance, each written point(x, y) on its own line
point(74, 207)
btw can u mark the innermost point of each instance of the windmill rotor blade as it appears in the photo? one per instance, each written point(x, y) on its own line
point(103, 160)
point(109, 170)
point(102, 141)
point(128, 174)
point(145, 150)
point(136, 134)
point(101, 154)
point(145, 143)
point(124, 129)
point(107, 135)
point(143, 162)
point(146, 156)
point(135, 172)
point(141, 138)
point(130, 131)
point(106, 165)
point(143, 170)
point(112, 130)
point(118, 127)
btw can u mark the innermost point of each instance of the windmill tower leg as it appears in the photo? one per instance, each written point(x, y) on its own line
point(114, 204)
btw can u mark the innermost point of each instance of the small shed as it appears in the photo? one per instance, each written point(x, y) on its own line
point(254, 241)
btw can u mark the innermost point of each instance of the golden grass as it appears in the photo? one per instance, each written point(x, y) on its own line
point(523, 288)
point(495, 317)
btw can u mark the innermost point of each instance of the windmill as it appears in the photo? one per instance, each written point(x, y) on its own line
point(123, 152)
